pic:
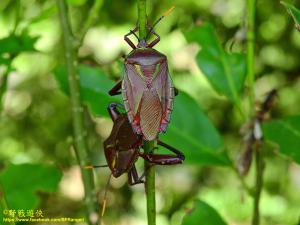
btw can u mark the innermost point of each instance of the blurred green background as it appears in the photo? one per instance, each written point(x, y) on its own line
point(39, 168)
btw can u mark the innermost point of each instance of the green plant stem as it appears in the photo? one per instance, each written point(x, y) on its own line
point(17, 16)
point(77, 111)
point(142, 18)
point(3, 202)
point(259, 168)
point(251, 79)
point(3, 86)
point(150, 184)
point(250, 52)
point(148, 145)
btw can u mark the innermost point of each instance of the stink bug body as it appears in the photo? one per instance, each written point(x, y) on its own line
point(122, 148)
point(147, 87)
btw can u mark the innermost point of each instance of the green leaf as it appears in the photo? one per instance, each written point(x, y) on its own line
point(203, 214)
point(94, 87)
point(294, 12)
point(22, 182)
point(286, 133)
point(193, 133)
point(16, 44)
point(225, 72)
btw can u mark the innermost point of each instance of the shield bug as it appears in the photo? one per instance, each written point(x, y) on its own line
point(122, 149)
point(147, 87)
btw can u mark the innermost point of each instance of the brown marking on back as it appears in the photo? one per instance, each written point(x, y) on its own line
point(150, 114)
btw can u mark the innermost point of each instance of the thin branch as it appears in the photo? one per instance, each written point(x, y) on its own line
point(148, 145)
point(250, 51)
point(77, 111)
point(259, 168)
point(92, 17)
point(251, 79)
point(17, 16)
point(150, 184)
point(3, 86)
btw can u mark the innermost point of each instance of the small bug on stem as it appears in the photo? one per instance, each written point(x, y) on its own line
point(255, 136)
point(122, 149)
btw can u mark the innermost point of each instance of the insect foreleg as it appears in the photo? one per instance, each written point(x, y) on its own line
point(126, 37)
point(116, 89)
point(156, 40)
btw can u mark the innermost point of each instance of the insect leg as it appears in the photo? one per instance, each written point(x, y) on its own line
point(116, 89)
point(176, 92)
point(132, 32)
point(156, 40)
point(161, 159)
point(133, 177)
point(113, 111)
point(172, 149)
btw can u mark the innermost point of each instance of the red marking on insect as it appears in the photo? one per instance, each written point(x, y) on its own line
point(149, 83)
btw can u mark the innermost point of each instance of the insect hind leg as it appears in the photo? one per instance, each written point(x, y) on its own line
point(113, 111)
point(162, 159)
point(133, 177)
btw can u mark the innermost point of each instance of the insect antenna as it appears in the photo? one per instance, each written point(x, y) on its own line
point(158, 20)
point(93, 167)
point(105, 196)
point(132, 32)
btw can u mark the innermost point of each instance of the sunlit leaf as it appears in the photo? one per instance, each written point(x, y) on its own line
point(22, 182)
point(294, 12)
point(286, 133)
point(203, 214)
point(94, 87)
point(225, 71)
point(191, 131)
point(15, 44)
